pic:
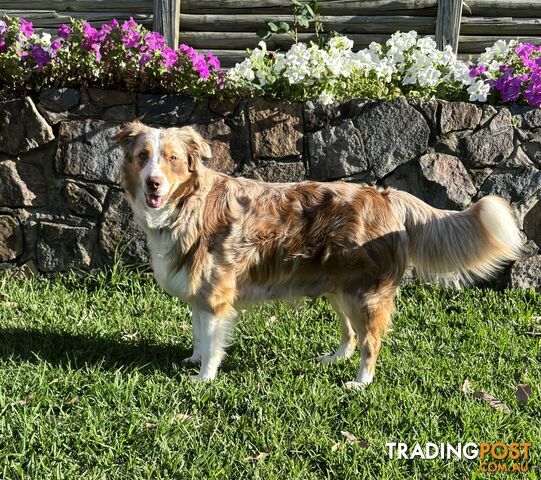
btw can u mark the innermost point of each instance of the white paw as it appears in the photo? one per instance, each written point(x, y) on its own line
point(192, 359)
point(327, 359)
point(356, 385)
point(200, 378)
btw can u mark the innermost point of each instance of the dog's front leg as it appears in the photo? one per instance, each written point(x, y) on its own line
point(214, 332)
point(196, 332)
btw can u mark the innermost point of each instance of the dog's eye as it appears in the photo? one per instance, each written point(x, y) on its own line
point(173, 158)
point(143, 156)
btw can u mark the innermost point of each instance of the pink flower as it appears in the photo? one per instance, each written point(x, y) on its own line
point(26, 27)
point(154, 41)
point(131, 40)
point(55, 45)
point(3, 46)
point(64, 31)
point(129, 24)
point(3, 27)
point(213, 61)
point(170, 57)
point(96, 49)
point(145, 58)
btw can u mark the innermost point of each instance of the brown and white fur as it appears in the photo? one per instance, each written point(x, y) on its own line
point(216, 241)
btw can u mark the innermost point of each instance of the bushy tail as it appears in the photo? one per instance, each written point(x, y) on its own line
point(473, 243)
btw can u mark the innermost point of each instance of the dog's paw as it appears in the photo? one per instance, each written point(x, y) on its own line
point(356, 385)
point(200, 378)
point(327, 359)
point(192, 360)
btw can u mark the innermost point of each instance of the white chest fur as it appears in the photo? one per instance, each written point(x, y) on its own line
point(162, 250)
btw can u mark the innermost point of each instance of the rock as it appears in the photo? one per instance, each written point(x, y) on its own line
point(84, 150)
point(532, 224)
point(22, 127)
point(224, 107)
point(59, 99)
point(392, 134)
point(448, 181)
point(111, 98)
point(119, 113)
point(532, 147)
point(84, 199)
point(429, 110)
point(438, 179)
point(491, 145)
point(119, 236)
point(489, 112)
point(279, 172)
point(527, 273)
point(514, 185)
point(21, 185)
point(479, 175)
point(529, 117)
point(276, 128)
point(11, 238)
point(458, 116)
point(317, 115)
point(63, 247)
point(518, 159)
point(224, 144)
point(166, 109)
point(336, 152)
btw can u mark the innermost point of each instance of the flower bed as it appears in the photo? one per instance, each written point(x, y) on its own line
point(128, 57)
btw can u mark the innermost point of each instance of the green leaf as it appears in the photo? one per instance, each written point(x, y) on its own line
point(263, 33)
point(283, 26)
point(272, 26)
point(303, 22)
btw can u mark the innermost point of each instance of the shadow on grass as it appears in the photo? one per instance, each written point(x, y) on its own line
point(64, 348)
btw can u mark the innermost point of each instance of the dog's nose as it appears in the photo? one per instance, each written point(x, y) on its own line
point(154, 183)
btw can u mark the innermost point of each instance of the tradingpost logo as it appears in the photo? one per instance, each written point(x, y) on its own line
point(492, 457)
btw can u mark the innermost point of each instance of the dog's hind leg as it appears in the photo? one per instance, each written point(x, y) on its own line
point(371, 323)
point(346, 349)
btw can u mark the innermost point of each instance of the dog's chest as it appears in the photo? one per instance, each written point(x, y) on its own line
point(173, 281)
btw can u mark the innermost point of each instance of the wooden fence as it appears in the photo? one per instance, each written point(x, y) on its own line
point(228, 27)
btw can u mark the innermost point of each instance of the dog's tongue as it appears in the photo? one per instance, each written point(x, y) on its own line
point(153, 200)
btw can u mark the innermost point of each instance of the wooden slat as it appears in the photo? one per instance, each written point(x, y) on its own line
point(129, 6)
point(52, 19)
point(343, 24)
point(502, 25)
point(243, 40)
point(503, 8)
point(228, 58)
point(477, 43)
point(448, 23)
point(326, 7)
point(166, 20)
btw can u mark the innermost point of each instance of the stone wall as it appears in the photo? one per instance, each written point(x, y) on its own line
point(61, 206)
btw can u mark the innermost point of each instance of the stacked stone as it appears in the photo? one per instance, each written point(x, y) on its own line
point(61, 205)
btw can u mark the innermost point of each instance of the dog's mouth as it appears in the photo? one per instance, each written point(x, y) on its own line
point(154, 201)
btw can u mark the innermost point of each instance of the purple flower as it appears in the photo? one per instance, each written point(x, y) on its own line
point(154, 41)
point(90, 35)
point(477, 71)
point(26, 27)
point(3, 27)
point(64, 31)
point(213, 61)
point(55, 45)
point(128, 24)
point(131, 39)
point(41, 57)
point(170, 57)
point(96, 49)
point(3, 46)
point(202, 68)
point(113, 23)
point(145, 58)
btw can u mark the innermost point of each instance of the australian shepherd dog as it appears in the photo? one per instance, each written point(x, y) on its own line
point(218, 241)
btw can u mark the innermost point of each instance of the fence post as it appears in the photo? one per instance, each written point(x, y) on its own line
point(166, 20)
point(448, 23)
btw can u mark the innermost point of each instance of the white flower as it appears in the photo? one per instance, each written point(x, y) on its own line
point(326, 98)
point(479, 91)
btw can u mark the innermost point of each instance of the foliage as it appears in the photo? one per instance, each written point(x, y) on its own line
point(122, 56)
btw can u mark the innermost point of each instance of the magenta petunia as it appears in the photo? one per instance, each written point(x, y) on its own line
point(96, 49)
point(145, 58)
point(131, 23)
point(170, 57)
point(131, 38)
point(3, 46)
point(213, 61)
point(26, 27)
point(64, 31)
point(55, 45)
point(154, 41)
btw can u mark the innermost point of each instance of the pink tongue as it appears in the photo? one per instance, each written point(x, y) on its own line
point(154, 200)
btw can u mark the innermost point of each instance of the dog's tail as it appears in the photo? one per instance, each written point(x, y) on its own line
point(473, 243)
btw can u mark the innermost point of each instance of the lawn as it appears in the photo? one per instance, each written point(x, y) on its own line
point(91, 385)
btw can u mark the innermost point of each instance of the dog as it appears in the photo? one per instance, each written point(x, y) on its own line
point(217, 241)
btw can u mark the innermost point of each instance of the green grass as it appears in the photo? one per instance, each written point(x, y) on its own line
point(91, 385)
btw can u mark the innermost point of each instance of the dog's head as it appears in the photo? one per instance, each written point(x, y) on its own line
point(160, 165)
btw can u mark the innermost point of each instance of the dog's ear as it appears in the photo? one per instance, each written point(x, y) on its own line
point(196, 146)
point(127, 134)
